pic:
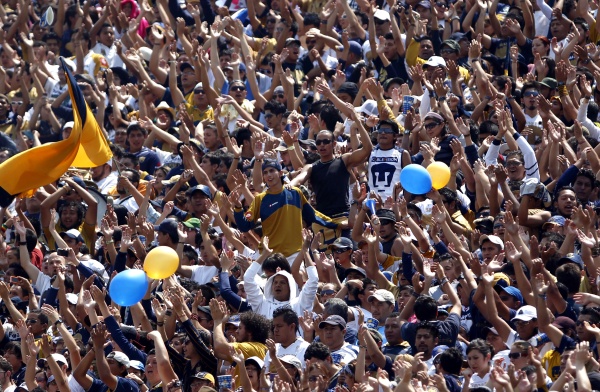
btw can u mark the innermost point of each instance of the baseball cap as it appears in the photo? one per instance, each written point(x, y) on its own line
point(291, 41)
point(381, 15)
point(205, 310)
point(424, 3)
point(348, 88)
point(137, 365)
point(72, 298)
point(333, 320)
point(192, 223)
point(119, 357)
point(356, 269)
point(291, 360)
point(271, 163)
point(60, 358)
point(571, 258)
point(234, 319)
point(204, 376)
point(554, 220)
point(551, 83)
point(513, 291)
point(494, 239)
point(385, 214)
point(355, 48)
point(342, 243)
point(501, 279)
point(282, 147)
point(383, 295)
point(525, 313)
point(278, 90)
point(257, 361)
point(458, 36)
point(185, 66)
point(168, 226)
point(74, 234)
point(369, 107)
point(563, 322)
point(199, 188)
point(434, 61)
point(452, 44)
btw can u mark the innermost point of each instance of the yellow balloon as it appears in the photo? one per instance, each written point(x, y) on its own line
point(440, 174)
point(161, 262)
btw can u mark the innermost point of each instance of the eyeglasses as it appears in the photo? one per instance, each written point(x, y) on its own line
point(340, 250)
point(199, 91)
point(385, 130)
point(265, 71)
point(447, 51)
point(579, 322)
point(521, 322)
point(516, 355)
point(318, 142)
point(531, 94)
point(238, 88)
point(271, 20)
point(431, 125)
point(30, 321)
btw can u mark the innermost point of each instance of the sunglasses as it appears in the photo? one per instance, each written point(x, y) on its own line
point(281, 96)
point(31, 321)
point(327, 292)
point(265, 71)
point(431, 125)
point(531, 94)
point(269, 115)
point(199, 91)
point(238, 88)
point(340, 250)
point(516, 355)
point(323, 141)
point(385, 130)
point(447, 51)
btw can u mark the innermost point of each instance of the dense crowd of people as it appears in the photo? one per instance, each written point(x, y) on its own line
point(279, 148)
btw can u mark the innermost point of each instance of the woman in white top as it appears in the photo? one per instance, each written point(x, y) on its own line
point(479, 355)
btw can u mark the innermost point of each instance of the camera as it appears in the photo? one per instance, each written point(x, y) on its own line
point(62, 252)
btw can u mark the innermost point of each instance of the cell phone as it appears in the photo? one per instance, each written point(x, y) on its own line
point(62, 252)
point(272, 376)
point(407, 103)
point(14, 279)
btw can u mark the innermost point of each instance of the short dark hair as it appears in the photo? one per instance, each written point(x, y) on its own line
point(451, 360)
point(289, 315)
point(426, 308)
point(317, 350)
point(431, 327)
point(274, 261)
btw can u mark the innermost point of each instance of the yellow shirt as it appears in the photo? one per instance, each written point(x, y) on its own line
point(88, 232)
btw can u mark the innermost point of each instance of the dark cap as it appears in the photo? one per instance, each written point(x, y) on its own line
point(572, 258)
point(355, 48)
point(452, 44)
point(385, 214)
point(122, 74)
point(185, 66)
point(169, 227)
point(199, 188)
point(271, 163)
point(205, 310)
point(333, 320)
point(348, 88)
point(551, 83)
point(563, 322)
point(342, 243)
point(458, 36)
point(290, 41)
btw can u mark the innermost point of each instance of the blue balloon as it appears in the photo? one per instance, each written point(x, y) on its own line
point(415, 179)
point(128, 287)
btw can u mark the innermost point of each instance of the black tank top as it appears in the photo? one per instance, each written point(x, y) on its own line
point(330, 181)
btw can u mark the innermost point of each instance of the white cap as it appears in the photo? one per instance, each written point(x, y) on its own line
point(59, 358)
point(369, 107)
point(381, 15)
point(525, 313)
point(72, 298)
point(146, 53)
point(435, 61)
point(69, 124)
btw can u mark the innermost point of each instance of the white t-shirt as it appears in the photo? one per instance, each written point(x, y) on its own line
point(203, 274)
point(297, 349)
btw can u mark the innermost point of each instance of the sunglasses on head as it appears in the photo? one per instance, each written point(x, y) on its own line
point(323, 141)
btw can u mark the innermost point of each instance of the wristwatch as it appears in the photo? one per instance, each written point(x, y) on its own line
point(59, 321)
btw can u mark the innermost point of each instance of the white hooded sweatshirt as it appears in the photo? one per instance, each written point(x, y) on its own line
point(265, 304)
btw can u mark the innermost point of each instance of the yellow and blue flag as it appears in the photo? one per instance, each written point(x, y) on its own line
point(86, 147)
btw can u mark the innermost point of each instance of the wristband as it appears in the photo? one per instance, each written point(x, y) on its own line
point(542, 296)
point(444, 281)
point(442, 99)
point(290, 148)
point(160, 323)
point(234, 158)
point(415, 294)
point(109, 242)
